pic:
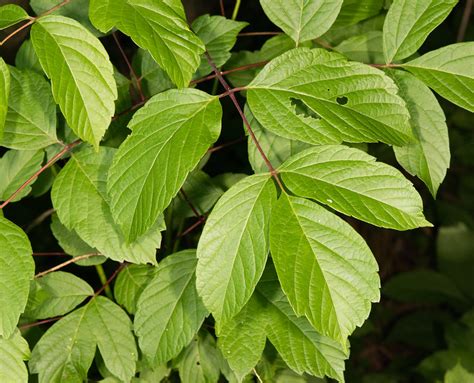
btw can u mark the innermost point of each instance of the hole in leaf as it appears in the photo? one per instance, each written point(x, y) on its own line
point(342, 100)
point(302, 109)
point(198, 363)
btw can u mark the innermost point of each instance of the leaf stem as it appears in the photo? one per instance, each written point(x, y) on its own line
point(38, 323)
point(236, 9)
point(67, 263)
point(237, 69)
point(109, 281)
point(250, 34)
point(221, 3)
point(103, 280)
point(39, 220)
point(53, 160)
point(465, 20)
point(191, 205)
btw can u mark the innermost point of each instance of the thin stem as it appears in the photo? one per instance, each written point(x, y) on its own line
point(250, 34)
point(39, 220)
point(66, 149)
point(237, 69)
point(230, 91)
point(258, 376)
point(225, 145)
point(51, 254)
point(231, 94)
point(109, 281)
point(130, 67)
point(191, 205)
point(103, 280)
point(34, 324)
point(131, 109)
point(324, 44)
point(385, 65)
point(67, 263)
point(221, 3)
point(32, 20)
point(236, 10)
point(465, 20)
point(192, 227)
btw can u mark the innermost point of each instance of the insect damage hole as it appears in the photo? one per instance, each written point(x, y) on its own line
point(342, 100)
point(302, 109)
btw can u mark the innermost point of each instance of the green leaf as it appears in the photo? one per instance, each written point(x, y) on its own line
point(319, 97)
point(26, 58)
point(81, 74)
point(56, 294)
point(429, 156)
point(449, 71)
point(242, 338)
point(130, 284)
point(302, 20)
point(112, 330)
point(66, 351)
point(300, 346)
point(13, 351)
point(278, 149)
point(11, 14)
point(4, 92)
point(325, 268)
point(366, 48)
point(154, 79)
point(31, 117)
point(350, 181)
point(354, 11)
point(170, 134)
point(15, 168)
point(200, 362)
point(158, 26)
point(408, 24)
point(234, 245)
point(80, 198)
point(219, 35)
point(169, 311)
point(457, 375)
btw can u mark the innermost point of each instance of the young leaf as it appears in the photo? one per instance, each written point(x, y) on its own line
point(169, 311)
point(325, 268)
point(319, 97)
point(15, 168)
point(11, 14)
point(366, 48)
point(350, 181)
point(449, 71)
point(234, 245)
point(81, 74)
point(66, 351)
point(458, 374)
point(302, 20)
point(13, 351)
point(429, 156)
point(56, 294)
point(4, 92)
point(112, 330)
point(158, 26)
point(170, 134)
point(130, 284)
point(409, 22)
point(80, 198)
point(200, 362)
point(31, 117)
point(219, 36)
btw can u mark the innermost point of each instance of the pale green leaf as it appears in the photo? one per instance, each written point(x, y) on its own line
point(158, 26)
point(80, 198)
point(408, 24)
point(16, 167)
point(219, 35)
point(66, 351)
point(112, 330)
point(11, 14)
point(170, 134)
point(278, 149)
point(81, 74)
point(13, 351)
point(350, 181)
point(26, 58)
point(458, 375)
point(242, 338)
point(200, 361)
point(154, 79)
point(325, 268)
point(130, 284)
point(56, 294)
point(354, 11)
point(4, 92)
point(449, 71)
point(31, 117)
point(234, 245)
point(302, 20)
point(319, 97)
point(169, 311)
point(366, 48)
point(429, 156)
point(300, 346)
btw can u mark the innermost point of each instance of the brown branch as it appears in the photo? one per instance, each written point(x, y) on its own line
point(32, 20)
point(131, 109)
point(221, 3)
point(225, 145)
point(192, 227)
point(191, 205)
point(237, 69)
point(67, 263)
point(52, 161)
point(250, 34)
point(231, 94)
point(465, 20)
point(109, 281)
point(34, 324)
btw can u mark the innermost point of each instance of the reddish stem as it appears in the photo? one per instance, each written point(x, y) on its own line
point(64, 264)
point(465, 20)
point(191, 205)
point(109, 281)
point(221, 3)
point(227, 144)
point(237, 69)
point(192, 227)
point(250, 34)
point(34, 324)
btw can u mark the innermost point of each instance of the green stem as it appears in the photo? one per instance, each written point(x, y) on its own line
point(103, 280)
point(236, 10)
